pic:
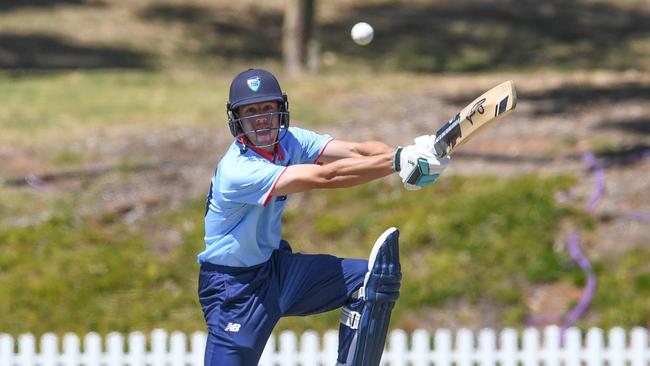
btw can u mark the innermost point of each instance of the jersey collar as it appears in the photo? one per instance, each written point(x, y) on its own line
point(277, 151)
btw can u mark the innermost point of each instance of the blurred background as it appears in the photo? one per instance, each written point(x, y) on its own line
point(112, 120)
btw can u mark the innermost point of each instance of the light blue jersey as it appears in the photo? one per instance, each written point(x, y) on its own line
point(243, 220)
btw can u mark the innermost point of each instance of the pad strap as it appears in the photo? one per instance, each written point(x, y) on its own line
point(350, 318)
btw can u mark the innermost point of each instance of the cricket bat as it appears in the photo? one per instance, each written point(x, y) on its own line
point(483, 111)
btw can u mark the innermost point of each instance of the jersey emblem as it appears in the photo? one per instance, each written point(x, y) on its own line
point(254, 83)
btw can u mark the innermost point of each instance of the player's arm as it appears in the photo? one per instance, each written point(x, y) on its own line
point(344, 172)
point(340, 149)
point(416, 165)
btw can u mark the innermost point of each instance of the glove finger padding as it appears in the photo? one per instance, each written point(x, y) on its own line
point(426, 143)
point(418, 167)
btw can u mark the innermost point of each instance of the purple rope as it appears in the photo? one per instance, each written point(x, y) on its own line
point(36, 183)
point(599, 188)
point(637, 215)
point(574, 247)
point(573, 241)
point(590, 288)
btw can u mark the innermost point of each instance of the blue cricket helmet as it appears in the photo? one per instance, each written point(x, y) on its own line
point(255, 86)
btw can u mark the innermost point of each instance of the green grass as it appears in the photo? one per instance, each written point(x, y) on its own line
point(41, 106)
point(623, 295)
point(475, 240)
point(81, 274)
point(469, 239)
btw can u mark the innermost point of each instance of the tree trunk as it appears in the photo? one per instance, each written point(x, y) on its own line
point(312, 43)
point(298, 35)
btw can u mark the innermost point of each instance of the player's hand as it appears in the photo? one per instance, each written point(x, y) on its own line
point(418, 166)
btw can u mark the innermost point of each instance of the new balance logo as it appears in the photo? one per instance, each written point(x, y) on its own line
point(232, 327)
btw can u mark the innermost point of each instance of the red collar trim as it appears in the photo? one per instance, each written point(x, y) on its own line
point(277, 151)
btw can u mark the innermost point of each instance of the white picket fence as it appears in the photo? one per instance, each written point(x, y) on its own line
point(486, 347)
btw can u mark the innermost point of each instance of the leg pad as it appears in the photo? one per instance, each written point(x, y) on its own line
point(380, 292)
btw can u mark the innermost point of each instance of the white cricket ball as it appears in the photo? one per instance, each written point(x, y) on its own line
point(362, 33)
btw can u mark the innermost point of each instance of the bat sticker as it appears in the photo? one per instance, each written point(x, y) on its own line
point(501, 106)
point(447, 136)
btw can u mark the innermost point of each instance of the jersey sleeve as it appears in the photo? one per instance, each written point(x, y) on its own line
point(249, 181)
point(312, 144)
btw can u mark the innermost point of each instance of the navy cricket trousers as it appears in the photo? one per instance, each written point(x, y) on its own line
point(242, 305)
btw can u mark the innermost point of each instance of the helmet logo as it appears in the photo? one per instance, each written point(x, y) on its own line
point(253, 83)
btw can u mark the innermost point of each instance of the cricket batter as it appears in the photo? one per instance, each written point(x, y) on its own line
point(249, 277)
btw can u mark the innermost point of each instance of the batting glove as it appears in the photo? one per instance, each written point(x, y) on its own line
point(417, 166)
point(426, 143)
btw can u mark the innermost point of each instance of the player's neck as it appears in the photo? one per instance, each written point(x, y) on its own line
point(268, 152)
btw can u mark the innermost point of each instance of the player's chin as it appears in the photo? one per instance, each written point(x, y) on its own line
point(264, 138)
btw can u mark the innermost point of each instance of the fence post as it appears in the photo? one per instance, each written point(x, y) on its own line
point(114, 349)
point(487, 346)
point(137, 349)
point(507, 354)
point(6, 350)
point(397, 350)
point(288, 349)
point(573, 347)
point(421, 348)
point(330, 347)
point(552, 341)
point(26, 350)
point(49, 350)
point(178, 349)
point(158, 347)
point(92, 349)
point(464, 347)
point(616, 352)
point(309, 349)
point(639, 353)
point(594, 347)
point(530, 351)
point(199, 340)
point(442, 353)
point(71, 350)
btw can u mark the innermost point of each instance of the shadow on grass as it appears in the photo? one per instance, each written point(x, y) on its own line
point(35, 52)
point(462, 35)
point(639, 126)
point(474, 36)
point(225, 33)
point(9, 5)
point(575, 97)
point(572, 98)
point(454, 36)
point(625, 156)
